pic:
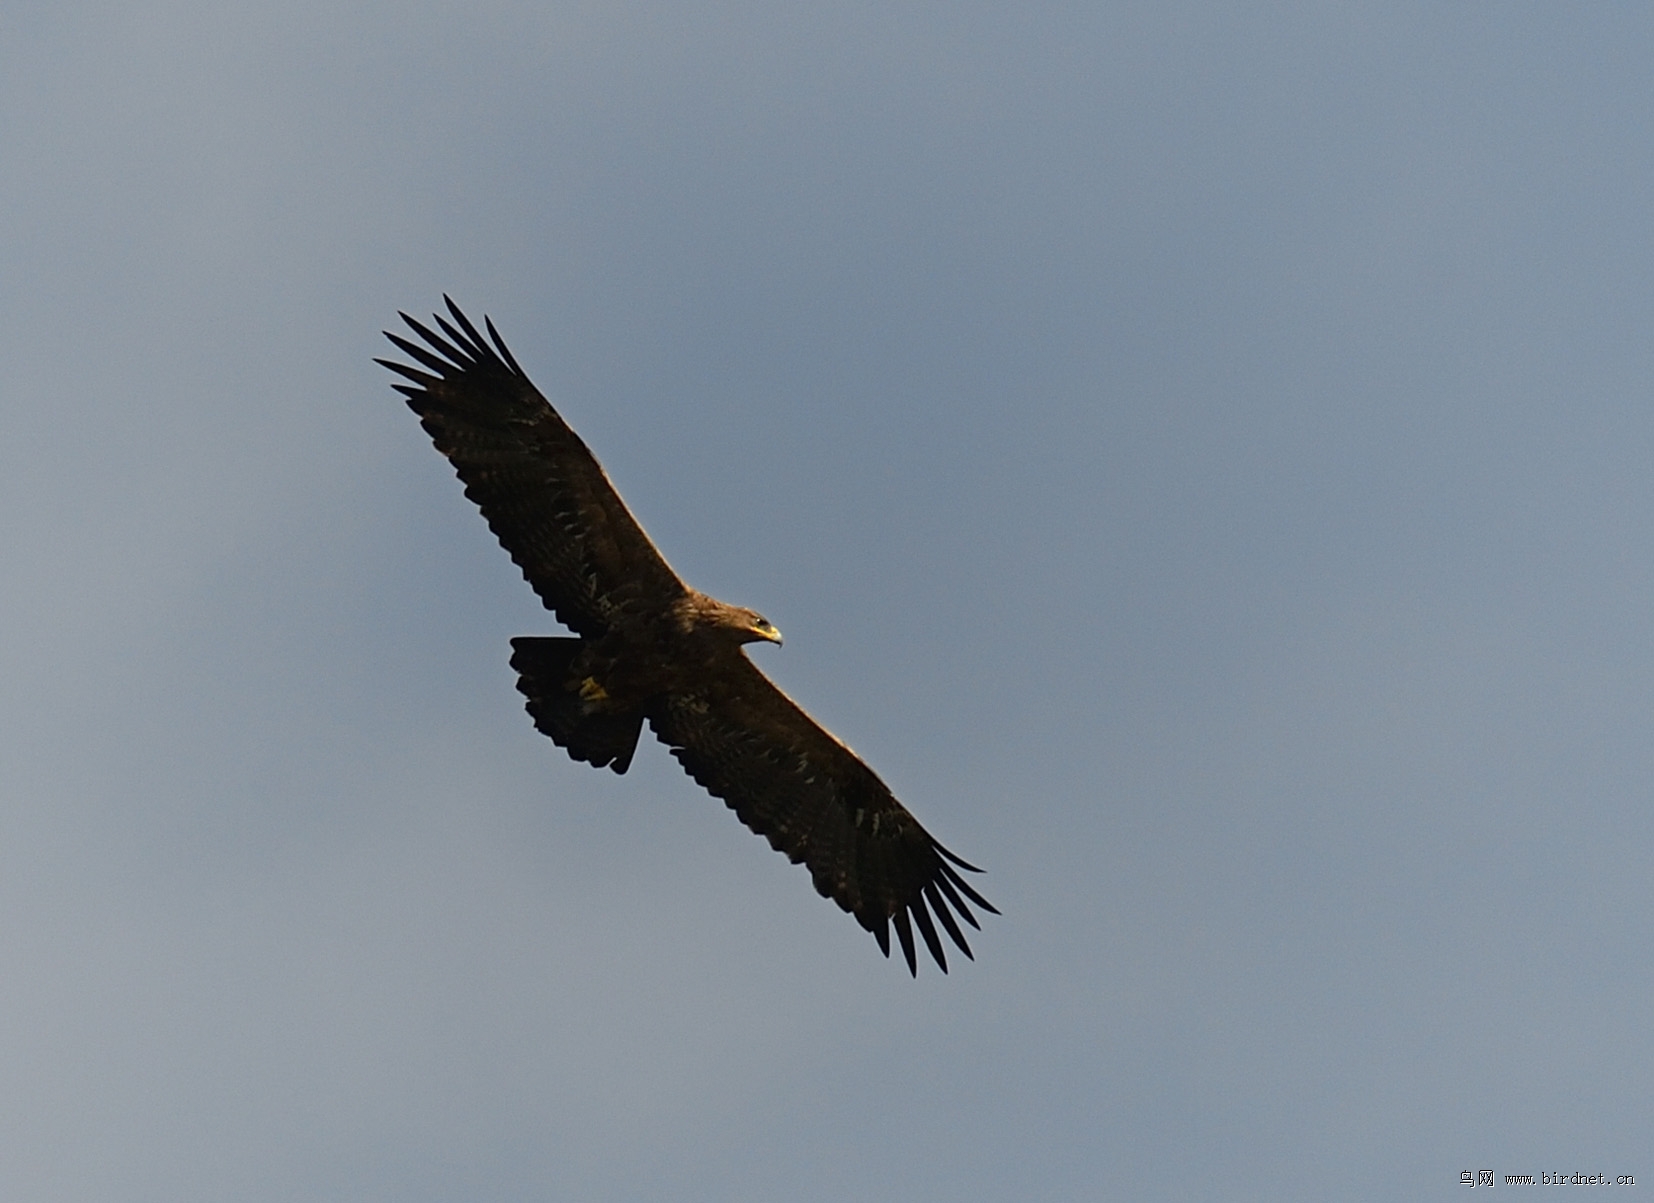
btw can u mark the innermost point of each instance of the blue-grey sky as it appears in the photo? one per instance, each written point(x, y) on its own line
point(1200, 454)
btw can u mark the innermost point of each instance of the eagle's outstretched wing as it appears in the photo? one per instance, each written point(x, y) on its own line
point(542, 491)
point(791, 781)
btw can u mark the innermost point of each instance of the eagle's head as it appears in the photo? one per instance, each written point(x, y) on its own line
point(734, 623)
point(753, 626)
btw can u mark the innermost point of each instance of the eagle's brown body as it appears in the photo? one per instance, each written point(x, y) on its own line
point(651, 649)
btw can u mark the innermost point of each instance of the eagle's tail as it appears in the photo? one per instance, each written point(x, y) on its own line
point(543, 677)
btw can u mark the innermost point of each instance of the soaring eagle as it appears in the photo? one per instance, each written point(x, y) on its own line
point(651, 649)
